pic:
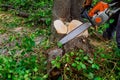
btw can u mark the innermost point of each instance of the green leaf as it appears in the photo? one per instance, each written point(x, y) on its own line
point(71, 53)
point(97, 78)
point(85, 58)
point(59, 44)
point(67, 59)
point(0, 67)
point(68, 68)
point(111, 20)
point(77, 58)
point(11, 38)
point(9, 75)
point(78, 67)
point(45, 76)
point(95, 66)
point(53, 62)
point(58, 65)
point(90, 61)
point(83, 66)
point(48, 21)
point(35, 69)
point(74, 64)
point(60, 78)
point(90, 75)
point(81, 51)
point(102, 55)
point(26, 76)
point(27, 71)
point(58, 58)
point(106, 25)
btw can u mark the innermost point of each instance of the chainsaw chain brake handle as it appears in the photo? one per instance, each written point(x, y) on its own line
point(87, 16)
point(84, 14)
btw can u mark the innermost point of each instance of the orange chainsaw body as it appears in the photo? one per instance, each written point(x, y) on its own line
point(99, 7)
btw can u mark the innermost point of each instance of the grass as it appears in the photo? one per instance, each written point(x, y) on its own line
point(22, 55)
point(21, 51)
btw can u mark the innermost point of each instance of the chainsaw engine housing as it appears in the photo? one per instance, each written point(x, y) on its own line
point(100, 17)
point(99, 13)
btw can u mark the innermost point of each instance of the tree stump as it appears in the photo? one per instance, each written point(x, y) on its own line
point(66, 11)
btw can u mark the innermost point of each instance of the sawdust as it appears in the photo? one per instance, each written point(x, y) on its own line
point(96, 42)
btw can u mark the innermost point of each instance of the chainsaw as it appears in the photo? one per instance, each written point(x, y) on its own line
point(96, 16)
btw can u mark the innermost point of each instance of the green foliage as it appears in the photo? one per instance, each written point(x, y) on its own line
point(27, 43)
point(13, 68)
point(24, 57)
point(89, 68)
point(59, 44)
point(56, 62)
point(37, 9)
point(22, 60)
point(96, 1)
point(2, 31)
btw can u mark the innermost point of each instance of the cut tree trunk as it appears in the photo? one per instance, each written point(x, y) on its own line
point(65, 10)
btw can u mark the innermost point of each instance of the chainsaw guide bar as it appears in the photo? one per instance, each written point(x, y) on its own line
point(75, 32)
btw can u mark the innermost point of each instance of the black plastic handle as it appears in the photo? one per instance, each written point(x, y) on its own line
point(86, 15)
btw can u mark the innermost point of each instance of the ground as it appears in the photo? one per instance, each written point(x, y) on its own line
point(17, 38)
point(12, 26)
point(12, 30)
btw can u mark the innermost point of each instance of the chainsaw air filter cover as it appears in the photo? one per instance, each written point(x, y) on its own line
point(100, 18)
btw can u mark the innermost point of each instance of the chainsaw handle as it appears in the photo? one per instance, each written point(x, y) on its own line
point(86, 8)
point(87, 16)
point(84, 14)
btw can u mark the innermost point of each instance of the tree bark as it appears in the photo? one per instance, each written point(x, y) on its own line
point(68, 10)
point(65, 10)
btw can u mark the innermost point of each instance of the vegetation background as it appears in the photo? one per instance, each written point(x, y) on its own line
point(24, 39)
